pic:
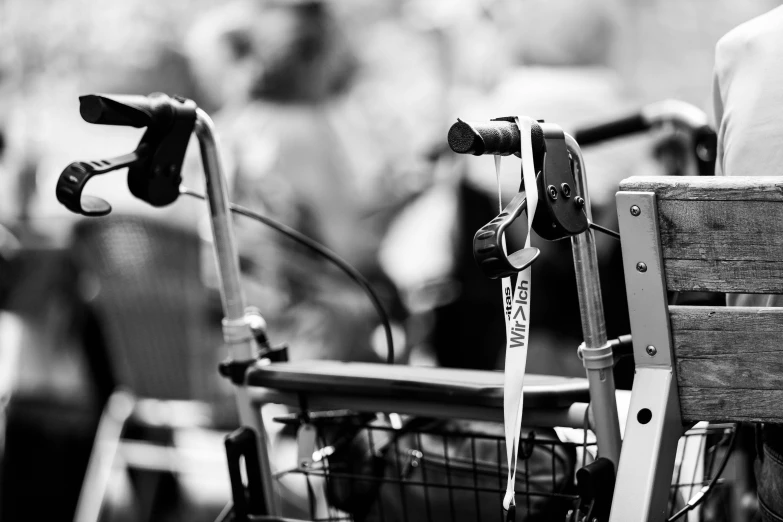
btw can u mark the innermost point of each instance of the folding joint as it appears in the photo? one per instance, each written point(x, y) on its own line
point(596, 358)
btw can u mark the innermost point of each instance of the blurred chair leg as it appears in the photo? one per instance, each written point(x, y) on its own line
point(744, 502)
point(107, 440)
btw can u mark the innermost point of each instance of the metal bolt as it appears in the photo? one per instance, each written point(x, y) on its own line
point(566, 190)
point(579, 201)
point(651, 350)
point(641, 267)
point(635, 211)
point(552, 192)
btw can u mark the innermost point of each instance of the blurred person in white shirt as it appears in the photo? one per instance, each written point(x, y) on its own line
point(748, 110)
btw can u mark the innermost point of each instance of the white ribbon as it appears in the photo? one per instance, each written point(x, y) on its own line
point(516, 312)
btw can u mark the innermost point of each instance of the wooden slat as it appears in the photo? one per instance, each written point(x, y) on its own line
point(728, 362)
point(723, 319)
point(721, 230)
point(722, 246)
point(723, 235)
point(719, 234)
point(739, 277)
point(697, 188)
point(697, 404)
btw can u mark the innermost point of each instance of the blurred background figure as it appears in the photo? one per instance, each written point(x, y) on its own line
point(311, 141)
point(549, 70)
point(333, 116)
point(59, 319)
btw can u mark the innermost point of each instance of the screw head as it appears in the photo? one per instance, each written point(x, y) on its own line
point(651, 350)
point(641, 267)
point(635, 210)
point(552, 192)
point(566, 190)
point(579, 201)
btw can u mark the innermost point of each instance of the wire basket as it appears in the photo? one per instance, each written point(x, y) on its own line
point(364, 467)
point(701, 454)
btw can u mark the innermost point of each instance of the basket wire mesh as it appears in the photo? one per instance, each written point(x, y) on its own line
point(364, 469)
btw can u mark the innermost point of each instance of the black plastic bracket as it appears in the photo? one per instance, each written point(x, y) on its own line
point(595, 485)
point(157, 180)
point(560, 210)
point(248, 498)
point(560, 213)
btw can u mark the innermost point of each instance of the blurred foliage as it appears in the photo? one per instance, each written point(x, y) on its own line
point(112, 41)
point(418, 62)
point(87, 40)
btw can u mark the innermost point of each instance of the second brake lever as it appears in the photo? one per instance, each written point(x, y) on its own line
point(488, 243)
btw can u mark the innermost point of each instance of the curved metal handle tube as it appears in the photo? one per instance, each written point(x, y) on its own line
point(236, 331)
point(602, 390)
point(220, 219)
point(679, 113)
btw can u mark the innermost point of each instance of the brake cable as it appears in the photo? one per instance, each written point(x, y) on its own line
point(322, 251)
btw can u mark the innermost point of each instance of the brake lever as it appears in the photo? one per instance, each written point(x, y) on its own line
point(560, 213)
point(154, 168)
point(488, 243)
point(73, 179)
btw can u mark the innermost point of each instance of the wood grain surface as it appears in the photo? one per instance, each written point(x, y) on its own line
point(707, 188)
point(719, 234)
point(729, 362)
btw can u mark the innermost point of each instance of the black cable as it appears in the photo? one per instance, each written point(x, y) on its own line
point(605, 230)
point(321, 250)
point(705, 491)
point(585, 427)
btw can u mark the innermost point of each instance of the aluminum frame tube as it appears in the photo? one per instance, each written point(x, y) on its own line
point(600, 378)
point(236, 330)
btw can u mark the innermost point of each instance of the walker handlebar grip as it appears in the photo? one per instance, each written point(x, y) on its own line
point(123, 110)
point(612, 129)
point(495, 137)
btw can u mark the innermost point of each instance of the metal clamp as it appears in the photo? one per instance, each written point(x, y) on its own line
point(596, 358)
point(236, 331)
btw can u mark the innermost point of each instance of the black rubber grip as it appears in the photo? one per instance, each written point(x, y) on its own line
point(611, 129)
point(491, 137)
point(124, 110)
